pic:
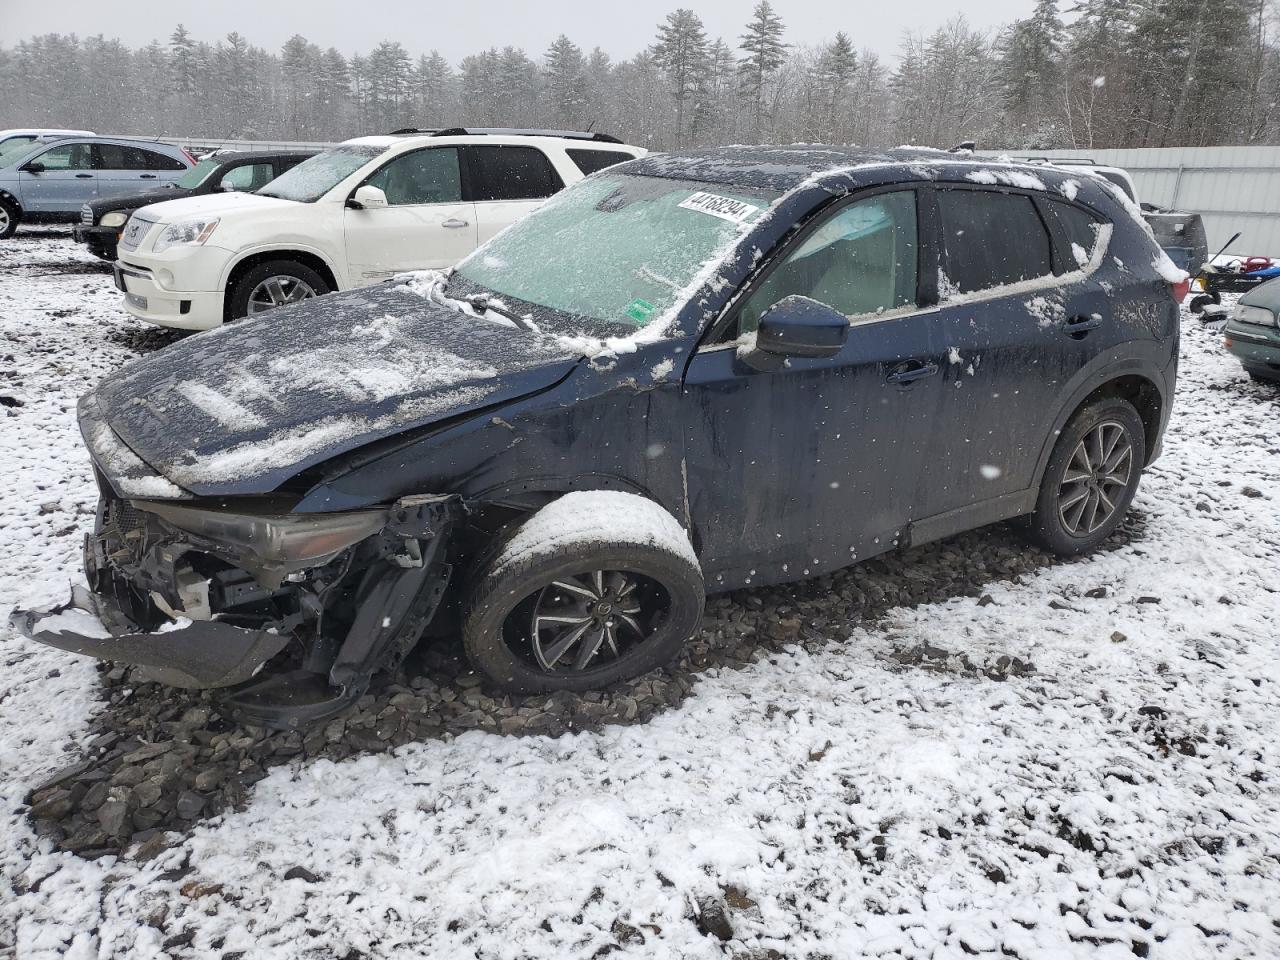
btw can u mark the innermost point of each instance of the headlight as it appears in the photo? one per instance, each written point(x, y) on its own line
point(186, 231)
point(114, 219)
point(1258, 315)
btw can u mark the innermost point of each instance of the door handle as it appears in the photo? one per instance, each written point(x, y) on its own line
point(453, 223)
point(84, 176)
point(1078, 327)
point(910, 371)
point(147, 176)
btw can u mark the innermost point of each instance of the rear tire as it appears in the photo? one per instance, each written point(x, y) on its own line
point(632, 599)
point(271, 284)
point(1091, 478)
point(9, 219)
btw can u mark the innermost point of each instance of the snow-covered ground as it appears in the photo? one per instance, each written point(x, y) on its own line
point(1080, 764)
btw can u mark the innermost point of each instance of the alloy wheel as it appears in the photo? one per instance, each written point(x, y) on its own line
point(582, 620)
point(4, 219)
point(277, 291)
point(1095, 479)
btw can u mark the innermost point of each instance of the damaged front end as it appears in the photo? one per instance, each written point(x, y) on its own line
point(290, 615)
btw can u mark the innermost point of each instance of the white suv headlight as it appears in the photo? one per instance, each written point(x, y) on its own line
point(1258, 315)
point(185, 231)
point(114, 219)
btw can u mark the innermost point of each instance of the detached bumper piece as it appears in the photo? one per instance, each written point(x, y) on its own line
point(192, 654)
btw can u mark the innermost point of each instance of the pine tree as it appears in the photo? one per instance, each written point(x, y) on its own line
point(837, 66)
point(681, 53)
point(435, 90)
point(564, 77)
point(182, 59)
point(1031, 74)
point(765, 53)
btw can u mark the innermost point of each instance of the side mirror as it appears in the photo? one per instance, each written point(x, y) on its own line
point(228, 186)
point(797, 326)
point(35, 166)
point(367, 197)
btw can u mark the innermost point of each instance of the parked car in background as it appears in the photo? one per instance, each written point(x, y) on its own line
point(102, 220)
point(350, 216)
point(688, 373)
point(1252, 332)
point(51, 181)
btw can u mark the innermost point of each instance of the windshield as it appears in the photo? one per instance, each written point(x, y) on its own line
point(12, 149)
point(196, 175)
point(312, 179)
point(615, 248)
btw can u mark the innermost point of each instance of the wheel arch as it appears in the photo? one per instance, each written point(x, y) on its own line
point(1134, 385)
point(308, 258)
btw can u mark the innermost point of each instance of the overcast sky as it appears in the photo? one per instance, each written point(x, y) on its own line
point(461, 27)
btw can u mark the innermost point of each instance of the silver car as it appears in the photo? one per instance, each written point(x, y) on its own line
point(48, 181)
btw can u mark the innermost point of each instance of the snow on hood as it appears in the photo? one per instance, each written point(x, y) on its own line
point(210, 205)
point(241, 409)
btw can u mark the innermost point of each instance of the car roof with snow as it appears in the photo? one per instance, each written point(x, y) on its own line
point(786, 168)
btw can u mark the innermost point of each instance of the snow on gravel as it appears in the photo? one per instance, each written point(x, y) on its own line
point(876, 796)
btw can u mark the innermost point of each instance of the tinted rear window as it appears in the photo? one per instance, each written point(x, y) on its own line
point(990, 239)
point(589, 161)
point(114, 156)
point(512, 173)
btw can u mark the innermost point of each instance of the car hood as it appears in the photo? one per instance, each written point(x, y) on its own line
point(239, 410)
point(1266, 295)
point(131, 201)
point(213, 205)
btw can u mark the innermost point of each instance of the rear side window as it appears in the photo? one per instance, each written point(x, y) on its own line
point(1078, 228)
point(990, 239)
point(113, 156)
point(512, 173)
point(589, 161)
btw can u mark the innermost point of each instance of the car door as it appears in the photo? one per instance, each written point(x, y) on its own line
point(425, 224)
point(508, 181)
point(815, 464)
point(59, 180)
point(124, 169)
point(1019, 317)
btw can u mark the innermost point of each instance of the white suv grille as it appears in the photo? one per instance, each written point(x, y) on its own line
point(134, 231)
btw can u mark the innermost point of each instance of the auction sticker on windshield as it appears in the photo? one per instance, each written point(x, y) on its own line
point(726, 208)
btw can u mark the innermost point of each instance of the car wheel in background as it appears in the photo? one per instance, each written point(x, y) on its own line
point(560, 610)
point(1091, 478)
point(9, 217)
point(275, 283)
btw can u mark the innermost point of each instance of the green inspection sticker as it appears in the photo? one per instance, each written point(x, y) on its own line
point(639, 310)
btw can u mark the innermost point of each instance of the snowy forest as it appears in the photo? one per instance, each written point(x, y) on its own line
point(1099, 73)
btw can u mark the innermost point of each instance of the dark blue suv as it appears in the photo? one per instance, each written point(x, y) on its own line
point(688, 373)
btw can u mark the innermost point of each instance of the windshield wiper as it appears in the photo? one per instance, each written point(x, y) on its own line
point(482, 302)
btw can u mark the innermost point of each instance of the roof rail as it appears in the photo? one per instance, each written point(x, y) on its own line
point(521, 132)
point(1078, 160)
point(409, 131)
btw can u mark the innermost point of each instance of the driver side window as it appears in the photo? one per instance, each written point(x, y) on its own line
point(424, 176)
point(862, 260)
point(69, 156)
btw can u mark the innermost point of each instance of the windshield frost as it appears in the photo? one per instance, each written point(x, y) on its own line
point(314, 177)
point(615, 248)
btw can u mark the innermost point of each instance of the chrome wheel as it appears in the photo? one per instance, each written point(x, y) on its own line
point(4, 218)
point(1095, 479)
point(582, 620)
point(277, 291)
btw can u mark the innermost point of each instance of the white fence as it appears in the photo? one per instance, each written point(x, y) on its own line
point(1232, 188)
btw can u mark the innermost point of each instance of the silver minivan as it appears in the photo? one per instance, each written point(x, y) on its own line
point(49, 182)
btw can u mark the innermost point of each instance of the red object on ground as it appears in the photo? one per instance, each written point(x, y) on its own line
point(1250, 264)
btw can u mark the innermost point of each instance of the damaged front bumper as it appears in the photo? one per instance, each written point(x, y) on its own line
point(186, 653)
point(288, 615)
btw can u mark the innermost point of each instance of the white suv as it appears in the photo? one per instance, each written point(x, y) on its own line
point(353, 215)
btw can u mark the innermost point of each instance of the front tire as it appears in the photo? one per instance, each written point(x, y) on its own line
point(1091, 478)
point(275, 283)
point(595, 588)
point(9, 218)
